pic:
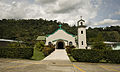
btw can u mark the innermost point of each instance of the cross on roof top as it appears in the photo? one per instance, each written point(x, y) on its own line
point(60, 26)
point(81, 17)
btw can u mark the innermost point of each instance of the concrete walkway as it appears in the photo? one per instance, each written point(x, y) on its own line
point(58, 54)
point(58, 61)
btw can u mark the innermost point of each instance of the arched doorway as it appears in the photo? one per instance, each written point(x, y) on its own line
point(60, 45)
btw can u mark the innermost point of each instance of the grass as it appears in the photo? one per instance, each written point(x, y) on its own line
point(37, 55)
point(71, 58)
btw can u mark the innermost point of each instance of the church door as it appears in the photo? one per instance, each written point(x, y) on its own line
point(60, 45)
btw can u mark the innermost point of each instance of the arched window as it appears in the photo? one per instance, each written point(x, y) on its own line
point(49, 43)
point(82, 42)
point(81, 23)
point(70, 43)
point(81, 32)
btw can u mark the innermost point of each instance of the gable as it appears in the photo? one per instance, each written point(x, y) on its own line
point(60, 35)
point(60, 29)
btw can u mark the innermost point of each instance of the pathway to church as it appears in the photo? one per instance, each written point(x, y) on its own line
point(59, 61)
point(58, 54)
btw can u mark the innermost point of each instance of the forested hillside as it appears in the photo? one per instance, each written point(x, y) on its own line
point(111, 33)
point(28, 30)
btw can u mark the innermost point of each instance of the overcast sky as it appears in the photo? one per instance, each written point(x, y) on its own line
point(96, 13)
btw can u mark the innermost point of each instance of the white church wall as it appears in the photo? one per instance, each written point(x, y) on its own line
point(54, 43)
point(60, 34)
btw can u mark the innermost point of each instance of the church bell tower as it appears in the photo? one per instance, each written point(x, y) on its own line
point(81, 34)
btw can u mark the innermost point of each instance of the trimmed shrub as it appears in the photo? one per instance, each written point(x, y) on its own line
point(87, 55)
point(81, 55)
point(112, 56)
point(16, 53)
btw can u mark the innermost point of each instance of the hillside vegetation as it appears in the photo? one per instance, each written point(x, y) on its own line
point(28, 30)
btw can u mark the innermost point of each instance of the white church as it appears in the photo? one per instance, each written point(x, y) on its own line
point(60, 38)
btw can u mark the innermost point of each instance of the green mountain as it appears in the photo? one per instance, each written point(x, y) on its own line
point(29, 29)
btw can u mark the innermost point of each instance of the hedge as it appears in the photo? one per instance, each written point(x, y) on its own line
point(25, 53)
point(82, 55)
point(112, 56)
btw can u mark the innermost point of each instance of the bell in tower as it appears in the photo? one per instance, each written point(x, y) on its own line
point(81, 22)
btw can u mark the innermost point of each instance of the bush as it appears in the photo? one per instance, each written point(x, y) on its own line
point(39, 46)
point(69, 49)
point(86, 55)
point(112, 56)
point(98, 43)
point(48, 50)
point(41, 51)
point(101, 46)
point(16, 53)
point(82, 55)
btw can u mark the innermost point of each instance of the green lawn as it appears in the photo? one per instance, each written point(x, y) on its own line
point(37, 55)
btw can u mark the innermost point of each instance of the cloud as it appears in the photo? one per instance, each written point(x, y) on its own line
point(107, 22)
point(45, 1)
point(14, 10)
point(117, 13)
point(62, 10)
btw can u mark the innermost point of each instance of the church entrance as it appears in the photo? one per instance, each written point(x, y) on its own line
point(60, 45)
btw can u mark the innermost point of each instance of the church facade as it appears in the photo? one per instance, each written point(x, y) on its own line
point(60, 38)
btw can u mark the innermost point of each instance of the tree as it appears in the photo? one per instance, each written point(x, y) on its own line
point(99, 43)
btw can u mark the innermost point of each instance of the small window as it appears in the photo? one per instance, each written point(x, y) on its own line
point(70, 43)
point(49, 43)
point(81, 32)
point(81, 23)
point(82, 42)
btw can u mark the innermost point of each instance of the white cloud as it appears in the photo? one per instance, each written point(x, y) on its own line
point(62, 10)
point(108, 22)
point(45, 1)
point(14, 10)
